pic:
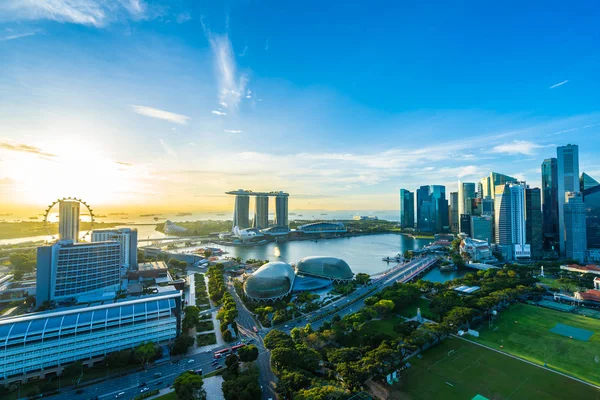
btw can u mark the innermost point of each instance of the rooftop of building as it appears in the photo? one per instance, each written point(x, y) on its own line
point(591, 295)
point(163, 292)
point(583, 268)
point(242, 192)
point(467, 289)
point(152, 266)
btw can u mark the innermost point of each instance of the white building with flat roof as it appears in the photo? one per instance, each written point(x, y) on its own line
point(42, 341)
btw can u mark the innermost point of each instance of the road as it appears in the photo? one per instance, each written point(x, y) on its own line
point(246, 322)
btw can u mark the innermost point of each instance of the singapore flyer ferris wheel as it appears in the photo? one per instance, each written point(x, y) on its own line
point(82, 208)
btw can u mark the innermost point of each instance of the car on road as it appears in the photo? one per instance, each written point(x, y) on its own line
point(218, 367)
point(191, 360)
point(159, 383)
point(144, 390)
point(142, 384)
point(119, 395)
point(157, 375)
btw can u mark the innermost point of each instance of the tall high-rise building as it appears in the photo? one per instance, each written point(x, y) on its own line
point(489, 183)
point(575, 227)
point(432, 208)
point(241, 211)
point(261, 212)
point(281, 210)
point(466, 194)
point(465, 224)
point(481, 228)
point(533, 222)
point(591, 198)
point(587, 182)
point(407, 209)
point(567, 171)
point(550, 204)
point(68, 220)
point(67, 270)
point(509, 219)
point(453, 211)
point(127, 237)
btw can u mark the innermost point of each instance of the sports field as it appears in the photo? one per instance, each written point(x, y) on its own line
point(471, 369)
point(525, 331)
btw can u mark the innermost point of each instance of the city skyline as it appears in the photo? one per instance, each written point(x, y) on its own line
point(179, 103)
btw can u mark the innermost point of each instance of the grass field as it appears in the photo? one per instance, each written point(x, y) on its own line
point(168, 396)
point(530, 338)
point(472, 370)
point(411, 310)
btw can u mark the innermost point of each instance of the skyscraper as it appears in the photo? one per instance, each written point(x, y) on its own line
point(466, 193)
point(533, 222)
point(587, 182)
point(489, 183)
point(440, 203)
point(68, 220)
point(127, 238)
point(425, 210)
point(591, 198)
point(509, 219)
point(407, 209)
point(481, 228)
point(261, 212)
point(281, 210)
point(575, 227)
point(67, 270)
point(453, 211)
point(550, 204)
point(465, 224)
point(241, 211)
point(567, 171)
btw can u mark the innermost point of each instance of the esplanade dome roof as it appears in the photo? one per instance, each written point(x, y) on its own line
point(272, 280)
point(325, 267)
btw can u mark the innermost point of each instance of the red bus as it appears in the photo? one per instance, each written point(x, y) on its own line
point(255, 330)
point(223, 352)
point(234, 348)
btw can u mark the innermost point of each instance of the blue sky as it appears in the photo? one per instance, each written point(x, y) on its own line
point(169, 104)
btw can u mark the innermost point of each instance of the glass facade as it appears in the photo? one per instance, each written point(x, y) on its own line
point(550, 203)
point(591, 198)
point(533, 222)
point(43, 340)
point(407, 209)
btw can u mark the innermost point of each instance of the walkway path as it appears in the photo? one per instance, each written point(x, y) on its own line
point(526, 361)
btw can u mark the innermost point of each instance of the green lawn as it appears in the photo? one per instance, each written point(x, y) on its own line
point(385, 326)
point(530, 338)
point(548, 281)
point(206, 339)
point(473, 370)
point(168, 396)
point(411, 310)
point(203, 326)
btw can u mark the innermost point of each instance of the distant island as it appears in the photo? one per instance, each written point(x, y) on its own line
point(15, 230)
point(183, 214)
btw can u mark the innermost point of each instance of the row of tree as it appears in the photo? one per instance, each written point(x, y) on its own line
point(227, 315)
point(216, 283)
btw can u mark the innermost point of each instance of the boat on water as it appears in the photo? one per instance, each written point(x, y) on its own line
point(220, 214)
point(396, 258)
point(33, 217)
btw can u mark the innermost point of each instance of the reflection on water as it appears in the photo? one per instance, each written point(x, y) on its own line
point(435, 275)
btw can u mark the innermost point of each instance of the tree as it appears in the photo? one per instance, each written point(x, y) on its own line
point(384, 307)
point(73, 371)
point(292, 381)
point(232, 362)
point(188, 386)
point(322, 393)
point(144, 353)
point(207, 253)
point(182, 344)
point(361, 278)
point(248, 353)
point(192, 317)
point(276, 338)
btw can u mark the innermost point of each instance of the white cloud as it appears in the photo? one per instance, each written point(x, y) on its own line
point(558, 84)
point(517, 147)
point(168, 149)
point(16, 36)
point(96, 13)
point(183, 17)
point(231, 86)
point(232, 131)
point(244, 52)
point(161, 114)
point(216, 112)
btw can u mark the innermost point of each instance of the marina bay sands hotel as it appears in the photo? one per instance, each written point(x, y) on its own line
point(241, 210)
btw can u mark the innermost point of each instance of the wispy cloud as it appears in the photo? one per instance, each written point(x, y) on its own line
point(183, 17)
point(216, 112)
point(558, 84)
point(517, 147)
point(126, 164)
point(244, 52)
point(17, 36)
point(168, 149)
point(161, 114)
point(232, 86)
point(96, 13)
point(232, 131)
point(24, 148)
